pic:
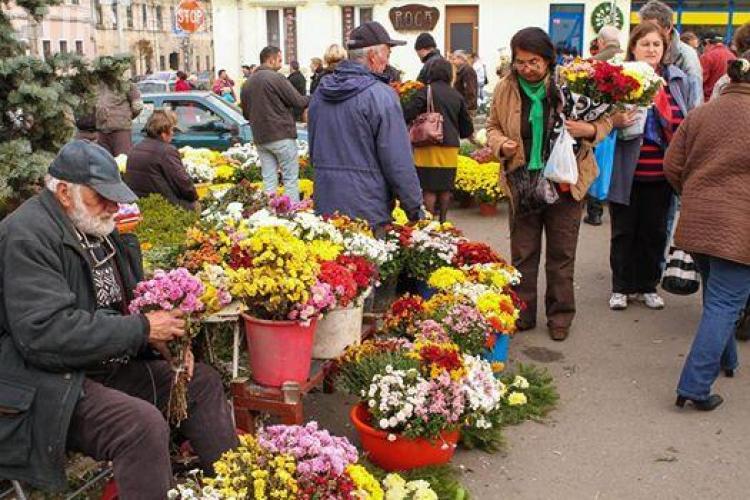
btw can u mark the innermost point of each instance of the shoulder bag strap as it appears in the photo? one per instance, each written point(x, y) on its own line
point(430, 103)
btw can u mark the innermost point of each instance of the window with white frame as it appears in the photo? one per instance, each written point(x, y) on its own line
point(353, 16)
point(79, 47)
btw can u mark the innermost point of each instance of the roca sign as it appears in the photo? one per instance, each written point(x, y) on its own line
point(190, 16)
point(414, 17)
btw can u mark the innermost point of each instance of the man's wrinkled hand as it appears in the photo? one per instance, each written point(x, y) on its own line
point(165, 325)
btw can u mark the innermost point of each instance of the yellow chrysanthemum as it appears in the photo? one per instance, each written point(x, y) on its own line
point(517, 399)
point(446, 277)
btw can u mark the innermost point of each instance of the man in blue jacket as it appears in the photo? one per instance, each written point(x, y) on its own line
point(358, 139)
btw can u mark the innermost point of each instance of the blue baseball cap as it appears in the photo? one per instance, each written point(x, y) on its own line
point(87, 163)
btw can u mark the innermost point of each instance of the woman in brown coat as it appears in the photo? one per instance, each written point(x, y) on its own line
point(520, 130)
point(154, 164)
point(707, 163)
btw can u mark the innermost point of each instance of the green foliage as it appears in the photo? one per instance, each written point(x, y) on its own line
point(542, 397)
point(354, 377)
point(39, 101)
point(162, 232)
point(21, 172)
point(443, 479)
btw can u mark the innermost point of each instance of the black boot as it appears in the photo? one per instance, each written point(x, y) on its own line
point(710, 404)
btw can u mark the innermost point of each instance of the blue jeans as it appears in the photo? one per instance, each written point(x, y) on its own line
point(726, 288)
point(280, 155)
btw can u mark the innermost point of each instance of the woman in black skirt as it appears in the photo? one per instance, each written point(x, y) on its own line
point(436, 165)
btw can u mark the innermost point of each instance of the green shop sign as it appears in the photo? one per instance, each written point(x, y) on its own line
point(603, 16)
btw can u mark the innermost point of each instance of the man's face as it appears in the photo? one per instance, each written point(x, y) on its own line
point(89, 211)
point(223, 75)
point(246, 72)
point(423, 52)
point(276, 61)
point(378, 57)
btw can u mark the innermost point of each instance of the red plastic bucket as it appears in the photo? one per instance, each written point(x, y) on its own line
point(279, 351)
point(402, 453)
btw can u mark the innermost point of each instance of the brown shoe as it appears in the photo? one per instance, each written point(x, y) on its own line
point(558, 333)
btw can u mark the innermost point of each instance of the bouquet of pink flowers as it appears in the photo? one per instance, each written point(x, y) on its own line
point(166, 291)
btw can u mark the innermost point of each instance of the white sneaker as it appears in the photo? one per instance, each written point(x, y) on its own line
point(618, 301)
point(653, 300)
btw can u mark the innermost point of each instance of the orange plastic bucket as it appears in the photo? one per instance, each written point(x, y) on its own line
point(402, 453)
point(279, 351)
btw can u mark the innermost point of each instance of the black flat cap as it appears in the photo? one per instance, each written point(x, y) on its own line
point(370, 34)
point(87, 163)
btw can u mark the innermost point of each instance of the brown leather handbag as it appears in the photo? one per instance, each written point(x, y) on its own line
point(427, 128)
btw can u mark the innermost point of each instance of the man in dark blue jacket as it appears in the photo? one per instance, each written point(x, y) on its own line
point(358, 138)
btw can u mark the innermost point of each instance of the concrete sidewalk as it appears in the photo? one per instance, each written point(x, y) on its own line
point(616, 433)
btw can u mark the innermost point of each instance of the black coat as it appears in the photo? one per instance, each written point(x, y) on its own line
point(50, 331)
point(426, 60)
point(448, 102)
point(317, 76)
point(298, 81)
point(154, 166)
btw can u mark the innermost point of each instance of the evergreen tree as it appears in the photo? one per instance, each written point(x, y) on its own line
point(39, 101)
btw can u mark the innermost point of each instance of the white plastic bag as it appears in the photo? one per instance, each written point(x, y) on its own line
point(562, 166)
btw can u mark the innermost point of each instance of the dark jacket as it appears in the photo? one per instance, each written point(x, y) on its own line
point(466, 84)
point(422, 77)
point(50, 331)
point(317, 76)
point(154, 166)
point(245, 99)
point(273, 99)
point(360, 147)
point(298, 81)
point(628, 152)
point(713, 181)
point(448, 102)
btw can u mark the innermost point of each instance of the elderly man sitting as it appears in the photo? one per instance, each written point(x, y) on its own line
point(74, 370)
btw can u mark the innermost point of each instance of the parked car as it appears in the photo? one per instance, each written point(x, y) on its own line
point(154, 86)
point(204, 120)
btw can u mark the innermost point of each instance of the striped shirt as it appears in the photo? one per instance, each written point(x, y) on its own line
point(650, 165)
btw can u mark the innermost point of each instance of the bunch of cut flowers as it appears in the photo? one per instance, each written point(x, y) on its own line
point(427, 246)
point(596, 87)
point(407, 90)
point(167, 291)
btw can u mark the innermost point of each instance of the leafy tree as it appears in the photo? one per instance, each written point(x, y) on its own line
point(39, 101)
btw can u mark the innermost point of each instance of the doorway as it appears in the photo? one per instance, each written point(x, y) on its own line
point(461, 28)
point(566, 23)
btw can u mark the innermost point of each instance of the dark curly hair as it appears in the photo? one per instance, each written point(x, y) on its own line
point(739, 69)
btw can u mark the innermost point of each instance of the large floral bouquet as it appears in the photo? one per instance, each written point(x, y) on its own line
point(407, 90)
point(649, 83)
point(596, 87)
point(176, 289)
point(296, 463)
point(480, 180)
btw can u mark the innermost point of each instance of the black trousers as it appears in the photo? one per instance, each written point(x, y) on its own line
point(639, 237)
point(120, 420)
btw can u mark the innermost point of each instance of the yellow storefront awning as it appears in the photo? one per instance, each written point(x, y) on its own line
point(708, 18)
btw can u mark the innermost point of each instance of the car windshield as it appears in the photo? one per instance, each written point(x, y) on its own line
point(233, 111)
point(161, 75)
point(151, 87)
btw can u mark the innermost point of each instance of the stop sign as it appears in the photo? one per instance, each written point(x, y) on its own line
point(190, 16)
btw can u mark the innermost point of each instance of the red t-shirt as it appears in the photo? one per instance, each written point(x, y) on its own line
point(714, 61)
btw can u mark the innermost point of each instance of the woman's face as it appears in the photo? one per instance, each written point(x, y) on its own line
point(532, 67)
point(649, 49)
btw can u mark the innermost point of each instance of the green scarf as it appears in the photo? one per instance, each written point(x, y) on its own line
point(536, 92)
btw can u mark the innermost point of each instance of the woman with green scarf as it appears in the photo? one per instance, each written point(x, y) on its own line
point(526, 107)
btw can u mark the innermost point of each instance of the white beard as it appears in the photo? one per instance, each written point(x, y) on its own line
point(98, 226)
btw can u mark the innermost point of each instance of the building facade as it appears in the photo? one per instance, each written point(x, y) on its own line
point(147, 30)
point(67, 27)
point(304, 28)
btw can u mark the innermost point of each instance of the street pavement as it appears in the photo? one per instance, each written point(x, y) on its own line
point(616, 433)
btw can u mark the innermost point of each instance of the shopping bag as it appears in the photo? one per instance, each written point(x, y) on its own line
point(562, 166)
point(605, 158)
point(681, 275)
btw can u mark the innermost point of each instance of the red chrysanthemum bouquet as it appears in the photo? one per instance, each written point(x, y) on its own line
point(596, 87)
point(166, 291)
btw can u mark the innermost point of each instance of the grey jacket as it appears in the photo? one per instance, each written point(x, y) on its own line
point(271, 102)
point(50, 330)
point(628, 152)
point(686, 58)
point(116, 110)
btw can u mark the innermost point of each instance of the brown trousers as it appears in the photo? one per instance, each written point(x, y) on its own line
point(560, 224)
point(120, 420)
point(117, 142)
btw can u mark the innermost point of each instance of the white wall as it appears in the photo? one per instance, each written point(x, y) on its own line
point(240, 31)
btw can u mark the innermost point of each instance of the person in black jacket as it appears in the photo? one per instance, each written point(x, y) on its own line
point(427, 51)
point(436, 165)
point(298, 81)
point(154, 165)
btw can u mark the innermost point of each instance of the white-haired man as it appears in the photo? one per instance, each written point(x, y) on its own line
point(76, 370)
